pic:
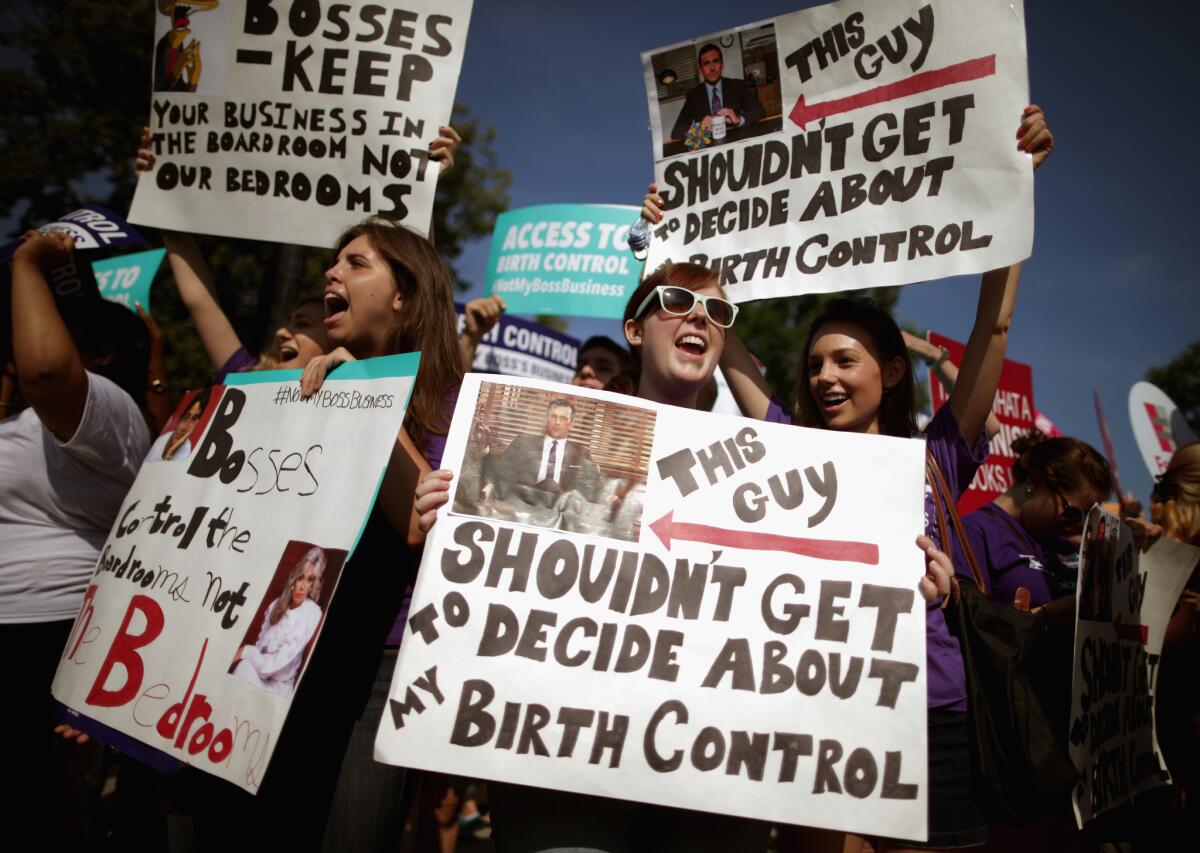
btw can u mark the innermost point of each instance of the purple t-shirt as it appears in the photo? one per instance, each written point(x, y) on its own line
point(239, 362)
point(946, 681)
point(1008, 557)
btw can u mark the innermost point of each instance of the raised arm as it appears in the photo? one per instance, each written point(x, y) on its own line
point(194, 280)
point(50, 369)
point(480, 316)
point(979, 374)
point(946, 371)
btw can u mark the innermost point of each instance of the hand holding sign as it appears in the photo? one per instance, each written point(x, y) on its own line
point(45, 251)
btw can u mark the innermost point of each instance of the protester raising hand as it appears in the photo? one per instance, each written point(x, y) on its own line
point(480, 316)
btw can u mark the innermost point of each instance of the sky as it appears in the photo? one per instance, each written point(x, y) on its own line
point(1110, 290)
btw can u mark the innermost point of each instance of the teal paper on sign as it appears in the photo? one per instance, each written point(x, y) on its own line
point(127, 278)
point(565, 259)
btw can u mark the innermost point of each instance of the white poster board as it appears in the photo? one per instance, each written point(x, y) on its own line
point(698, 610)
point(211, 589)
point(292, 122)
point(1158, 426)
point(864, 143)
point(1125, 600)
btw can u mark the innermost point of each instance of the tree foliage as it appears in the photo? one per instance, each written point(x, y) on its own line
point(1180, 379)
point(76, 93)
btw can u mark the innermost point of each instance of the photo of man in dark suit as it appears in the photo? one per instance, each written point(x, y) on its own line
point(733, 100)
point(539, 468)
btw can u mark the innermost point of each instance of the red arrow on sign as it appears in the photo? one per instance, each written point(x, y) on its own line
point(972, 69)
point(1133, 633)
point(666, 528)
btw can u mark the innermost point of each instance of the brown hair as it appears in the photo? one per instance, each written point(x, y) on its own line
point(691, 276)
point(1175, 503)
point(426, 324)
point(1059, 463)
point(315, 556)
point(898, 408)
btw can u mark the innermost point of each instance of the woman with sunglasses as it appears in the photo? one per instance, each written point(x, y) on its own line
point(1015, 538)
point(676, 322)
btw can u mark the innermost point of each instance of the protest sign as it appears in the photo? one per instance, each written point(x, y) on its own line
point(1158, 426)
point(126, 279)
point(564, 259)
point(672, 607)
point(291, 122)
point(212, 586)
point(91, 227)
point(1125, 601)
point(857, 144)
point(519, 347)
point(1013, 408)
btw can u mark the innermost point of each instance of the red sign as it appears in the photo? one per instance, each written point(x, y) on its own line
point(1014, 409)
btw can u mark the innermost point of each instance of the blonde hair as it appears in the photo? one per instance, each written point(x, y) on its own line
point(314, 556)
point(1175, 502)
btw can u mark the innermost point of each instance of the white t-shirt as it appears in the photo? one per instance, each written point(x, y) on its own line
point(181, 454)
point(58, 501)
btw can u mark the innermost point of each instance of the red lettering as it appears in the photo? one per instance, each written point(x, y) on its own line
point(168, 723)
point(82, 621)
point(124, 651)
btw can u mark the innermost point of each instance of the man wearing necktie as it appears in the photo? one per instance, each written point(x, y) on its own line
point(717, 95)
point(540, 467)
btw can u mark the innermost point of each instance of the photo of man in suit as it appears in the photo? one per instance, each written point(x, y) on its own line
point(539, 468)
point(733, 100)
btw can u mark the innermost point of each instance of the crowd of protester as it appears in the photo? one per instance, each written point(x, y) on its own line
point(85, 393)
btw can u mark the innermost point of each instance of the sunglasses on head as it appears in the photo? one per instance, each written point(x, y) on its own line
point(680, 301)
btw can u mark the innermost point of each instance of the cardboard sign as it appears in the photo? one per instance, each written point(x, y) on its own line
point(564, 259)
point(519, 347)
point(1125, 601)
point(210, 591)
point(1158, 426)
point(859, 144)
point(293, 122)
point(657, 604)
point(1013, 407)
point(126, 279)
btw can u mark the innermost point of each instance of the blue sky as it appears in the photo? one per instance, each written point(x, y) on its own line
point(1111, 288)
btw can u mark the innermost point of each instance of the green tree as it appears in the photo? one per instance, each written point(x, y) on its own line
point(1180, 379)
point(76, 95)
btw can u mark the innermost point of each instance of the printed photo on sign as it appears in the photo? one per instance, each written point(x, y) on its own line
point(1097, 570)
point(557, 461)
point(280, 637)
point(183, 430)
point(181, 63)
point(717, 89)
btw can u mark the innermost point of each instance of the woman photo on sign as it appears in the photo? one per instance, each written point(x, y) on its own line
point(677, 323)
point(856, 377)
point(176, 445)
point(274, 660)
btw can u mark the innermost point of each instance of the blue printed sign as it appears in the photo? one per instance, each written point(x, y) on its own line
point(564, 259)
point(127, 278)
point(92, 227)
point(517, 347)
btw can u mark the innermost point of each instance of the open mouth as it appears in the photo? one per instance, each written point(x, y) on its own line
point(287, 352)
point(832, 402)
point(692, 345)
point(335, 307)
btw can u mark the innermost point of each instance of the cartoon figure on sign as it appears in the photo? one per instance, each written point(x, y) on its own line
point(177, 65)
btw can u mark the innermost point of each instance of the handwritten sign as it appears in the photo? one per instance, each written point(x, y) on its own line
point(1125, 601)
point(676, 607)
point(292, 122)
point(1013, 408)
point(857, 144)
point(211, 588)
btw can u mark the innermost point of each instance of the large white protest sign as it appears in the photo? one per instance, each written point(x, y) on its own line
point(1125, 601)
point(1158, 426)
point(209, 594)
point(857, 144)
point(668, 606)
point(290, 121)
